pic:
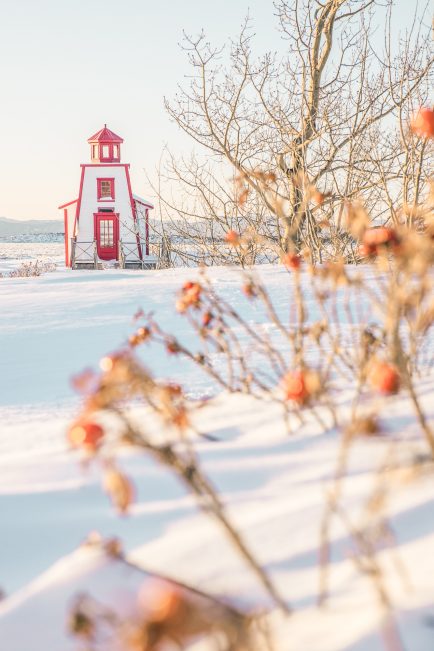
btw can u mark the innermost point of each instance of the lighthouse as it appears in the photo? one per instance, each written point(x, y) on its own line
point(107, 225)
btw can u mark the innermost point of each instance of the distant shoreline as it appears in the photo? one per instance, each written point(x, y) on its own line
point(35, 238)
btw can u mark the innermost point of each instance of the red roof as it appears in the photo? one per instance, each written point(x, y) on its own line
point(105, 135)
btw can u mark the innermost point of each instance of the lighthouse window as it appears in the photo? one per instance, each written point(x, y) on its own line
point(106, 189)
point(115, 151)
point(105, 151)
point(95, 151)
point(106, 232)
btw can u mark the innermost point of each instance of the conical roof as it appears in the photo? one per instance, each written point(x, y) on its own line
point(105, 135)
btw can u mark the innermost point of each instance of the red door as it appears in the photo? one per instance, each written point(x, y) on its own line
point(107, 235)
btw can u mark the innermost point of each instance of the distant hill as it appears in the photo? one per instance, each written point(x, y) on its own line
point(31, 230)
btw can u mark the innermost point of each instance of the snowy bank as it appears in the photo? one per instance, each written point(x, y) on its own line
point(274, 485)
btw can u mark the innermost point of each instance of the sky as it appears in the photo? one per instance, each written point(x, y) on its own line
point(69, 66)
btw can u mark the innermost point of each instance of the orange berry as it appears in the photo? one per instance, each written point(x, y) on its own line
point(291, 261)
point(190, 296)
point(143, 333)
point(249, 290)
point(422, 124)
point(318, 197)
point(232, 237)
point(380, 236)
point(302, 385)
point(86, 434)
point(294, 387)
point(385, 378)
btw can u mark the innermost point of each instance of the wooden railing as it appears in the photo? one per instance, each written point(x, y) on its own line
point(83, 253)
point(129, 255)
point(130, 252)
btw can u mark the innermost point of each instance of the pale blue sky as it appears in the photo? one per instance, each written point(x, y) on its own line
point(68, 66)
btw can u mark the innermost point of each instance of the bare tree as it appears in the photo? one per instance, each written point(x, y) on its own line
point(300, 134)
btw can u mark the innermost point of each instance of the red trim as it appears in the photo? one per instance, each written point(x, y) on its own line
point(99, 165)
point(133, 208)
point(143, 203)
point(105, 135)
point(112, 189)
point(109, 254)
point(65, 205)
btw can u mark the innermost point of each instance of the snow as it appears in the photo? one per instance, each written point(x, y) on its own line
point(273, 484)
point(12, 254)
point(144, 202)
point(92, 570)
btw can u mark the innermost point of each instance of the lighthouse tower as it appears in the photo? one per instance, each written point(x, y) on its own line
point(107, 223)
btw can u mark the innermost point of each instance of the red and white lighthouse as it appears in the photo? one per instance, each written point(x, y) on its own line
point(107, 222)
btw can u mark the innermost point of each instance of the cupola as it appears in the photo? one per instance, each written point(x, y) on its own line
point(105, 146)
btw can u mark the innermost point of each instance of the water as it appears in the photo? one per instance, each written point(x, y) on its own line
point(12, 254)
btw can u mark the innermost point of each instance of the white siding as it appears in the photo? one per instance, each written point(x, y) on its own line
point(91, 205)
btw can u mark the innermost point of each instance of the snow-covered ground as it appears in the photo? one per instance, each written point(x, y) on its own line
point(12, 254)
point(274, 485)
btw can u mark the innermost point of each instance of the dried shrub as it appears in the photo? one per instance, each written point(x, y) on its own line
point(301, 367)
point(31, 269)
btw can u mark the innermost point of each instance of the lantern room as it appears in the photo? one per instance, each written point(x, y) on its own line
point(105, 146)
